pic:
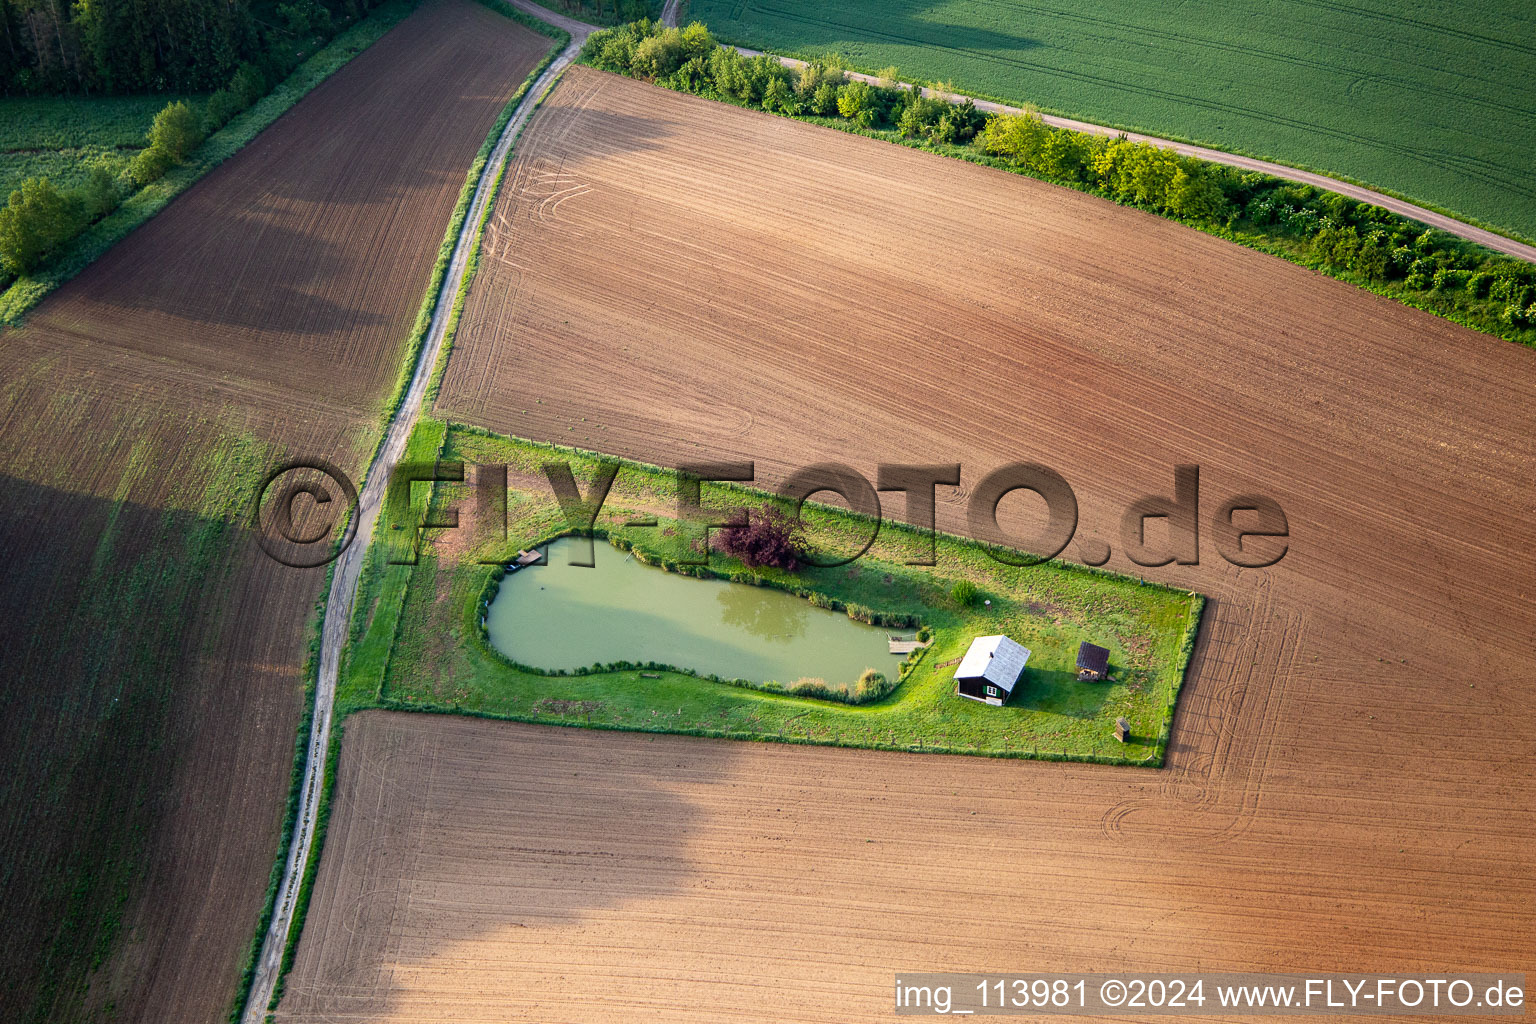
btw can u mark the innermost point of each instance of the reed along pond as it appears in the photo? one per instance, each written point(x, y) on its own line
point(555, 615)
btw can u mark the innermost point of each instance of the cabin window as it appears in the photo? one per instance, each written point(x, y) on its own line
point(992, 691)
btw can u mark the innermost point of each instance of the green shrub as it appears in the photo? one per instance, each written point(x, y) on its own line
point(36, 220)
point(964, 593)
point(221, 106)
point(659, 55)
point(248, 85)
point(1018, 137)
point(306, 18)
point(872, 686)
point(814, 76)
point(1064, 155)
point(175, 131)
point(920, 116)
point(824, 99)
point(779, 98)
point(1447, 278)
point(817, 689)
point(98, 195)
point(856, 102)
point(1371, 259)
point(149, 166)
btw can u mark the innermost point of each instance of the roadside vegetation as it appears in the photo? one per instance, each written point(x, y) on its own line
point(605, 12)
point(417, 642)
point(88, 186)
point(185, 631)
point(1437, 103)
point(1362, 244)
point(381, 582)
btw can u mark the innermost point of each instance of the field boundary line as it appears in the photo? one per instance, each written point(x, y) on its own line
point(1432, 218)
point(343, 590)
point(1446, 222)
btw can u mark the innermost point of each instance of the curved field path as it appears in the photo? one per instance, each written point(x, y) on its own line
point(1445, 222)
point(1349, 785)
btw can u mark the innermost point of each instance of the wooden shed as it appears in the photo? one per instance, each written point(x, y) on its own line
point(1122, 730)
point(1092, 662)
point(990, 669)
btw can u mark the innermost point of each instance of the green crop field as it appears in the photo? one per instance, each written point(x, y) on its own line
point(417, 643)
point(57, 137)
point(1436, 102)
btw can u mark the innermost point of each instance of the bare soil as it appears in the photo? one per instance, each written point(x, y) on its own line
point(1349, 786)
point(151, 656)
point(494, 871)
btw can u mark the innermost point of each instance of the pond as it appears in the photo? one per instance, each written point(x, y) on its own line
point(558, 616)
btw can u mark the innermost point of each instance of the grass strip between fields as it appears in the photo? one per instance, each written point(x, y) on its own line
point(433, 294)
point(138, 208)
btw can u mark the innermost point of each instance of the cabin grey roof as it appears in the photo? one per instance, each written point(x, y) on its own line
point(1093, 657)
point(997, 659)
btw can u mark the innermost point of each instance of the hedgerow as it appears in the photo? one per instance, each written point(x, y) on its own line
point(1356, 242)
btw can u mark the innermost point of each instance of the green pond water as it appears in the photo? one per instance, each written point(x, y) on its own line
point(560, 616)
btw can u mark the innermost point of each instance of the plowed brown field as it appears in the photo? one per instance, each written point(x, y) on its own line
point(150, 654)
point(1350, 782)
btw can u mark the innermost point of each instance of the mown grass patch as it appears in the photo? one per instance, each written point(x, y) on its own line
point(439, 660)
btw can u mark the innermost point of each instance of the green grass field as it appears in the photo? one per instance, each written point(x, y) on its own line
point(1436, 102)
point(57, 137)
point(416, 640)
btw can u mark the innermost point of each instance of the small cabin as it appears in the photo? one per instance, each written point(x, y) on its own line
point(1122, 730)
point(1092, 662)
point(990, 669)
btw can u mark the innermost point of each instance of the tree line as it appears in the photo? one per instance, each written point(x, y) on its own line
point(1356, 241)
point(137, 46)
point(39, 219)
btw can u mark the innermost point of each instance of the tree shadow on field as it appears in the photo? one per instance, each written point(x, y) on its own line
point(142, 744)
point(174, 270)
point(597, 134)
point(450, 834)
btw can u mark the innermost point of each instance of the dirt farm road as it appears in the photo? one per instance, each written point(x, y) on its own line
point(1450, 225)
point(348, 568)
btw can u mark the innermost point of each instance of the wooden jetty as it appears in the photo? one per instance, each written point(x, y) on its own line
point(905, 645)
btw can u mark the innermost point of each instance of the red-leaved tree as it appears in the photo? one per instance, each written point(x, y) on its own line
point(766, 536)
